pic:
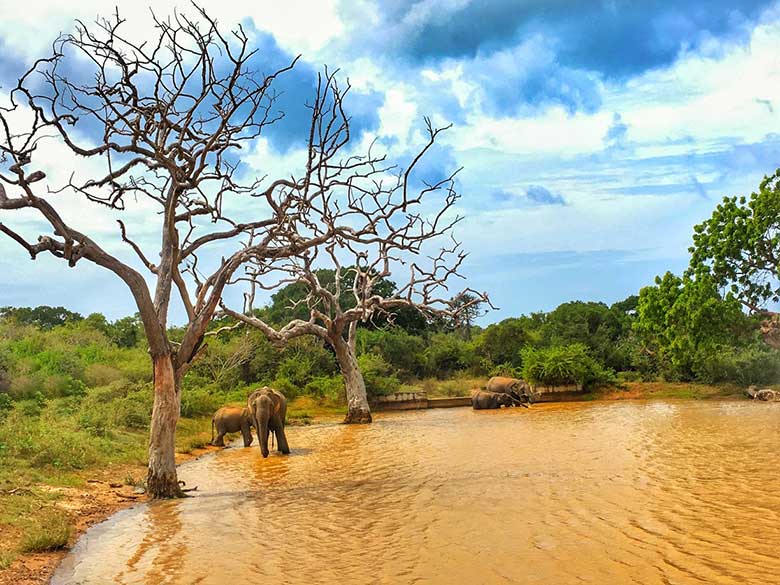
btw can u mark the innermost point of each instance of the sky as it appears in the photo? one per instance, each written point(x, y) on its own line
point(593, 135)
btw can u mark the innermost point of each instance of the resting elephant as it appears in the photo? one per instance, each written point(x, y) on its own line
point(230, 419)
point(518, 389)
point(268, 408)
point(483, 400)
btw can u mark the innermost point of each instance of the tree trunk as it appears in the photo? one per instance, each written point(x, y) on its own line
point(161, 481)
point(357, 401)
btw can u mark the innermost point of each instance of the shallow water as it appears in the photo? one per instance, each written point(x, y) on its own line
point(605, 493)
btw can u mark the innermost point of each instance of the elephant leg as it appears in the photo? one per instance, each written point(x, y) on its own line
point(281, 438)
point(246, 433)
point(219, 441)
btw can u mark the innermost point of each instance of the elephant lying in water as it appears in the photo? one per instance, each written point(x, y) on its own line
point(268, 409)
point(765, 394)
point(518, 389)
point(230, 419)
point(483, 400)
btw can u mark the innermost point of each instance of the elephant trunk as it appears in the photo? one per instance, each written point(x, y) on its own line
point(212, 430)
point(263, 436)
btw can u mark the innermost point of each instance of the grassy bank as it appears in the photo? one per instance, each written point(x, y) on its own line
point(58, 474)
point(667, 391)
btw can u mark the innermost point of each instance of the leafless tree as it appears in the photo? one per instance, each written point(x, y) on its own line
point(162, 121)
point(393, 227)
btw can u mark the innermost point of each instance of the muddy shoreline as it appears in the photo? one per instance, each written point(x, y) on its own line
point(100, 498)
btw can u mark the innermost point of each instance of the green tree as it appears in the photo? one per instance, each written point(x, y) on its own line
point(500, 343)
point(681, 321)
point(43, 317)
point(739, 247)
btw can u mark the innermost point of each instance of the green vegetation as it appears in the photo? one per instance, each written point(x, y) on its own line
point(51, 531)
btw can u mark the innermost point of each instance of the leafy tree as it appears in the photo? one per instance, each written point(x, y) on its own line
point(500, 343)
point(594, 325)
point(739, 247)
point(682, 320)
point(43, 317)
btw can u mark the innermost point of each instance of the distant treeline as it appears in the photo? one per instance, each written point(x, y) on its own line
point(677, 329)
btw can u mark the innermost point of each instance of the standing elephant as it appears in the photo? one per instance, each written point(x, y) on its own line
point(518, 389)
point(483, 400)
point(268, 408)
point(230, 419)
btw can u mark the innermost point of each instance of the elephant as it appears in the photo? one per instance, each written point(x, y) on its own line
point(230, 419)
point(268, 408)
point(518, 389)
point(483, 400)
point(765, 394)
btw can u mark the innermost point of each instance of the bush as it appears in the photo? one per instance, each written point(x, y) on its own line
point(286, 387)
point(752, 365)
point(199, 402)
point(564, 364)
point(378, 375)
point(6, 404)
point(48, 441)
point(24, 386)
point(506, 369)
point(101, 375)
point(51, 531)
point(330, 387)
point(403, 351)
point(59, 386)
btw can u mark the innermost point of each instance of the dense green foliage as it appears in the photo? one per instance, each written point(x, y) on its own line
point(739, 245)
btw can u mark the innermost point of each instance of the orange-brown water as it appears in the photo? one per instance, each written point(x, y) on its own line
point(610, 493)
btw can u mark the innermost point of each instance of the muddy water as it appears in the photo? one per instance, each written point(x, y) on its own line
point(610, 493)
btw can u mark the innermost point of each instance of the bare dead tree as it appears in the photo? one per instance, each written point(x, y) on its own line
point(393, 224)
point(162, 122)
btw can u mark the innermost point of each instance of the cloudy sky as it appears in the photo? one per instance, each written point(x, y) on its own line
point(593, 134)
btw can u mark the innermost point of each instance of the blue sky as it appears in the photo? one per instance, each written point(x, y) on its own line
point(593, 134)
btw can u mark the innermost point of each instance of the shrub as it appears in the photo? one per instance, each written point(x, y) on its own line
point(564, 364)
point(330, 387)
point(752, 365)
point(6, 404)
point(24, 386)
point(51, 531)
point(505, 369)
point(378, 375)
point(403, 351)
point(101, 375)
point(199, 402)
point(286, 387)
point(67, 385)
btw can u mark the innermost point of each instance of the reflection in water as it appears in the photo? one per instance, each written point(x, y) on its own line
point(646, 493)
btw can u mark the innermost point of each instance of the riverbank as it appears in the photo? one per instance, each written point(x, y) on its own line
point(43, 509)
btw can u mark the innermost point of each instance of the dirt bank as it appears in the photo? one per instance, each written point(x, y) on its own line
point(103, 493)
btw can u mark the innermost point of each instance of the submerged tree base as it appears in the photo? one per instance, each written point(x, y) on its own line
point(164, 487)
point(358, 417)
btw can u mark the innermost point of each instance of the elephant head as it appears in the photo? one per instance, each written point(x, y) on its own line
point(521, 392)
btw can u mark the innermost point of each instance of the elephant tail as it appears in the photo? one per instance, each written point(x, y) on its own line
point(212, 429)
point(273, 435)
